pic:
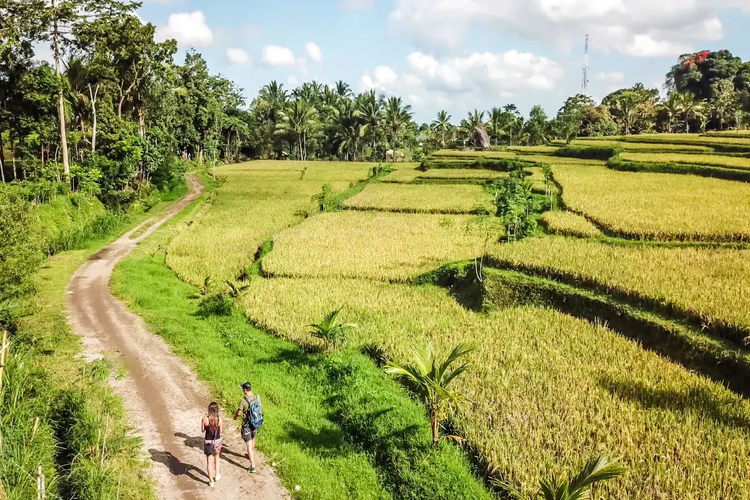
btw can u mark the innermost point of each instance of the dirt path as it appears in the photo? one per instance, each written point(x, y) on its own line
point(163, 397)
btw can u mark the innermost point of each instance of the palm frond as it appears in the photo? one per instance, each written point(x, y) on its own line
point(598, 469)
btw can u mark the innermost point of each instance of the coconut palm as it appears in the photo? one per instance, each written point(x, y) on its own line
point(498, 120)
point(672, 107)
point(430, 379)
point(330, 330)
point(577, 487)
point(625, 107)
point(350, 128)
point(342, 89)
point(441, 125)
point(299, 121)
point(397, 117)
point(370, 107)
point(687, 105)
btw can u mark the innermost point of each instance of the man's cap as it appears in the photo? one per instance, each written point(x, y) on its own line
point(245, 386)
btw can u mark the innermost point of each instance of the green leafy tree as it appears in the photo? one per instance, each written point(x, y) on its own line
point(441, 125)
point(397, 117)
point(432, 378)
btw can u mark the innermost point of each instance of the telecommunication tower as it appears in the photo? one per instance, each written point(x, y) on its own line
point(586, 68)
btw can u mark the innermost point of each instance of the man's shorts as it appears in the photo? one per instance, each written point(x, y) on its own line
point(249, 434)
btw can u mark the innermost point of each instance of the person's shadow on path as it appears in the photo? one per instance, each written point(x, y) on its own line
point(197, 443)
point(178, 468)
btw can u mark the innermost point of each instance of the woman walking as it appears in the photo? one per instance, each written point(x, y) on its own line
point(211, 427)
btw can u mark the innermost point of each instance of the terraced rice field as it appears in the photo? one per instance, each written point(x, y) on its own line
point(641, 146)
point(569, 224)
point(380, 246)
point(461, 173)
point(710, 160)
point(422, 199)
point(706, 283)
point(545, 389)
point(470, 154)
point(657, 206)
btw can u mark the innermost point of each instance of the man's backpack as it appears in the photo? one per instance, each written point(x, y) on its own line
point(253, 415)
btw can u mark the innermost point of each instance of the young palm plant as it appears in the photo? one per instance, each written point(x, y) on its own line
point(576, 488)
point(431, 379)
point(331, 331)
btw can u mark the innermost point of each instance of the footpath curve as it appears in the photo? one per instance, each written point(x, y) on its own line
point(163, 398)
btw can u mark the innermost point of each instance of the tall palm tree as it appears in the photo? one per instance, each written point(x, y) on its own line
point(397, 116)
point(687, 106)
point(672, 107)
point(431, 379)
point(625, 107)
point(476, 129)
point(350, 128)
point(299, 121)
point(76, 95)
point(513, 122)
point(274, 95)
point(441, 125)
point(577, 487)
point(497, 122)
point(343, 89)
point(371, 108)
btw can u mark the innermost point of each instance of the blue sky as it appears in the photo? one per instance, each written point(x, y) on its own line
point(451, 54)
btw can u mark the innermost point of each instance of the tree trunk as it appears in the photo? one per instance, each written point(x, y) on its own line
point(61, 102)
point(435, 425)
point(141, 122)
point(2, 161)
point(93, 95)
point(13, 156)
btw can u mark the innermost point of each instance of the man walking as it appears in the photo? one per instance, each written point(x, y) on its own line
point(252, 419)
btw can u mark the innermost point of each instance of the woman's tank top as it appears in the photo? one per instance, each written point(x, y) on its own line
point(213, 435)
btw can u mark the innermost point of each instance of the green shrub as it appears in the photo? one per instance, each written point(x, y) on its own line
point(590, 153)
point(215, 304)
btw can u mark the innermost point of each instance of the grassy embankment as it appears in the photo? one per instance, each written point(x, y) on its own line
point(337, 426)
point(56, 408)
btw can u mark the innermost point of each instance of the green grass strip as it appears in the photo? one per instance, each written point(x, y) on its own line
point(680, 168)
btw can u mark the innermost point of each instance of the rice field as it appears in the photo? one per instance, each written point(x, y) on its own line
point(694, 139)
point(545, 389)
point(373, 245)
point(707, 283)
point(454, 199)
point(657, 206)
point(569, 224)
point(642, 146)
point(559, 160)
point(461, 173)
point(471, 154)
point(710, 160)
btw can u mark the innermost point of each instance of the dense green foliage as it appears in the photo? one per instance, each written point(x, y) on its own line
point(589, 153)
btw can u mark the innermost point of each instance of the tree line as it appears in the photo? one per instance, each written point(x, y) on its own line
point(115, 115)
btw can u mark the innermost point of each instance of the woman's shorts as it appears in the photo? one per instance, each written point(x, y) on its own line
point(212, 447)
point(248, 434)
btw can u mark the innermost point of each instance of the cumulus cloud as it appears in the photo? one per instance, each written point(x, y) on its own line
point(188, 28)
point(275, 55)
point(238, 56)
point(474, 79)
point(641, 28)
point(314, 52)
point(356, 4)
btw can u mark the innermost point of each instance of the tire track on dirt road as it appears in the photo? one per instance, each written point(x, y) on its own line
point(163, 398)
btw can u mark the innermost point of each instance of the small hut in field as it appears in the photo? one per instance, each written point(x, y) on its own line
point(480, 138)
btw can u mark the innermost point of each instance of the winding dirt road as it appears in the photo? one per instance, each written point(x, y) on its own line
point(163, 397)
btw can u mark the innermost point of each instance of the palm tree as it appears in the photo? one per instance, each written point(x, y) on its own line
point(274, 95)
point(299, 120)
point(76, 95)
point(672, 107)
point(575, 488)
point(430, 379)
point(497, 123)
point(441, 125)
point(687, 105)
point(626, 107)
point(351, 128)
point(370, 107)
point(397, 116)
point(513, 122)
point(330, 330)
point(342, 89)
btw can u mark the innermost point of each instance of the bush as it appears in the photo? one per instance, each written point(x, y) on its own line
point(215, 304)
point(591, 153)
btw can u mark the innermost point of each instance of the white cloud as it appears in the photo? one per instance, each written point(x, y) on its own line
point(238, 56)
point(274, 55)
point(188, 28)
point(356, 4)
point(314, 52)
point(474, 80)
point(611, 78)
point(642, 28)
